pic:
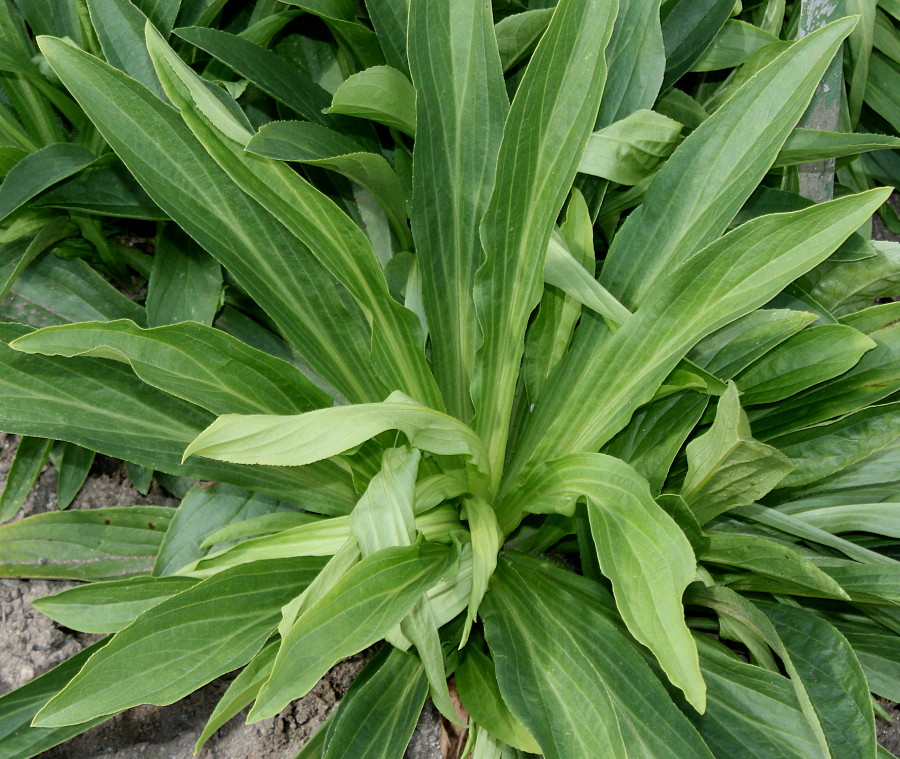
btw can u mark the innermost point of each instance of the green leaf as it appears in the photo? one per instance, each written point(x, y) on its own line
point(549, 122)
point(31, 455)
point(391, 20)
point(805, 145)
point(161, 12)
point(185, 283)
point(568, 673)
point(256, 526)
point(377, 716)
point(183, 642)
point(381, 94)
point(185, 360)
point(630, 150)
point(812, 356)
point(318, 146)
point(833, 677)
point(767, 557)
point(877, 518)
point(40, 170)
point(729, 278)
point(479, 692)
point(73, 464)
point(735, 42)
point(91, 544)
point(102, 406)
point(518, 35)
point(119, 25)
point(201, 511)
point(884, 76)
point(455, 68)
point(300, 440)
point(107, 607)
point(361, 608)
point(338, 243)
point(876, 649)
point(16, 256)
point(711, 174)
point(726, 466)
point(688, 28)
point(266, 260)
point(825, 449)
point(18, 739)
point(642, 551)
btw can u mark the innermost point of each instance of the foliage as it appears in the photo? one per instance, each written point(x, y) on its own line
point(498, 332)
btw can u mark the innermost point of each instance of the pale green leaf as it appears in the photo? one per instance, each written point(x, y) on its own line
point(381, 94)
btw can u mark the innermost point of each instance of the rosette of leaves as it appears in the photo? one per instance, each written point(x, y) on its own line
point(629, 478)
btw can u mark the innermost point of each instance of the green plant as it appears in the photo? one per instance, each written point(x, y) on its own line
point(707, 432)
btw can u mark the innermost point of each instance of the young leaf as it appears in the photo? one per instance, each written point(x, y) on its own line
point(379, 93)
point(199, 634)
point(361, 608)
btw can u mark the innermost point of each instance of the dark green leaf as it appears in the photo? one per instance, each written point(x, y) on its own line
point(73, 463)
point(688, 28)
point(31, 455)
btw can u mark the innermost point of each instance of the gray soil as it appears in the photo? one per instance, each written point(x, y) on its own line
point(31, 643)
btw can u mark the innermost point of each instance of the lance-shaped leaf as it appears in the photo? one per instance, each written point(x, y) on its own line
point(31, 455)
point(570, 675)
point(688, 28)
point(518, 34)
point(361, 608)
point(17, 255)
point(73, 464)
point(726, 466)
point(806, 359)
point(107, 607)
point(338, 243)
point(733, 45)
point(877, 518)
point(630, 150)
point(378, 714)
point(277, 271)
point(319, 146)
point(706, 181)
point(379, 93)
point(18, 739)
point(550, 119)
point(316, 435)
point(729, 278)
point(189, 360)
point(90, 544)
point(461, 106)
point(806, 145)
point(641, 550)
point(198, 634)
point(102, 406)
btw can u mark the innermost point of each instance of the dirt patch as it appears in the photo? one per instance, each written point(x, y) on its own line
point(31, 644)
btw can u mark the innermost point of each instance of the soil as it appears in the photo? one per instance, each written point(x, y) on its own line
point(31, 643)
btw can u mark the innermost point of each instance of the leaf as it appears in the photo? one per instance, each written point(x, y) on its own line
point(688, 28)
point(518, 34)
point(256, 526)
point(318, 146)
point(380, 93)
point(734, 43)
point(201, 511)
point(182, 643)
point(642, 551)
point(18, 739)
point(825, 449)
point(876, 649)
point(479, 691)
point(378, 714)
point(710, 175)
point(833, 676)
point(19, 254)
point(726, 466)
point(73, 464)
point(314, 218)
point(883, 77)
point(366, 603)
point(877, 518)
point(185, 284)
point(107, 607)
point(391, 21)
point(768, 557)
point(132, 421)
point(263, 256)
point(303, 439)
point(185, 360)
point(119, 25)
point(630, 150)
point(459, 86)
point(631, 364)
point(161, 12)
point(805, 145)
point(544, 136)
point(40, 170)
point(551, 638)
point(91, 544)
point(813, 355)
point(31, 455)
